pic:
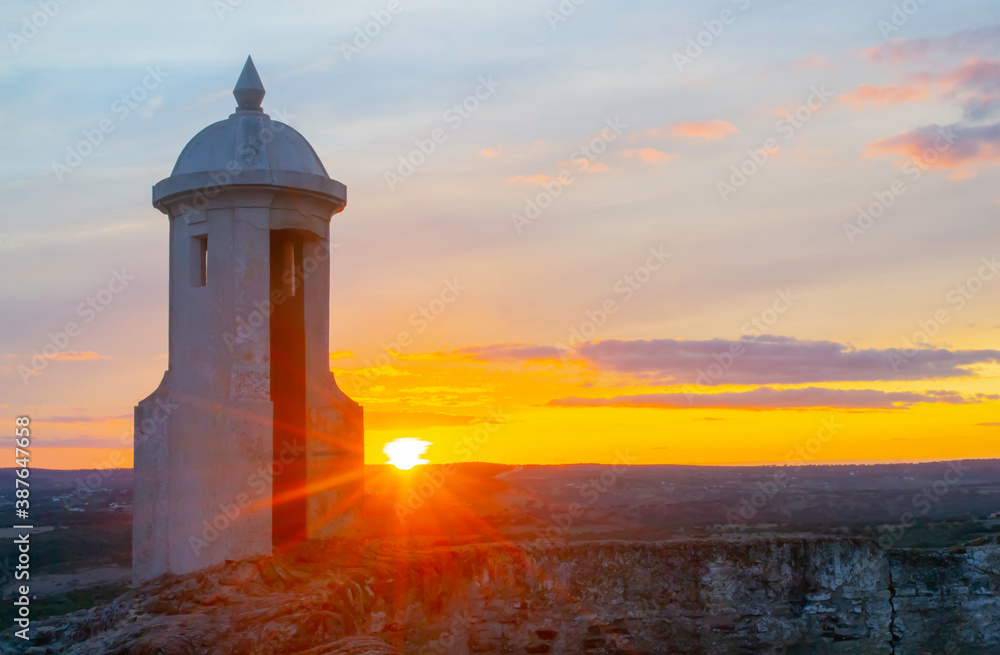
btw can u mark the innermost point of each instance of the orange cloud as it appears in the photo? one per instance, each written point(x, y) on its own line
point(539, 178)
point(962, 175)
point(589, 165)
point(73, 355)
point(389, 420)
point(651, 156)
point(341, 354)
point(707, 130)
point(887, 94)
point(492, 153)
point(84, 419)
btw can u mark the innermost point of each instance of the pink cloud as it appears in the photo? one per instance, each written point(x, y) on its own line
point(939, 147)
point(975, 72)
point(868, 95)
point(978, 78)
point(651, 156)
point(775, 360)
point(760, 360)
point(964, 42)
point(973, 140)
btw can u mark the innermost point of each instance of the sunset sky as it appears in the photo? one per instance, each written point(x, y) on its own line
point(782, 240)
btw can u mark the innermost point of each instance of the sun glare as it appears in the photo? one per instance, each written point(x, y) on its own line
point(405, 453)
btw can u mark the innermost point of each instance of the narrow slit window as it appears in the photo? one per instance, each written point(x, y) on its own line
point(199, 260)
point(289, 277)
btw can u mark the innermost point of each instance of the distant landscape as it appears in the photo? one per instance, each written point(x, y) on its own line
point(85, 558)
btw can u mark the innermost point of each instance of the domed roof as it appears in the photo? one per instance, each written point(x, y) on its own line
point(249, 147)
point(248, 140)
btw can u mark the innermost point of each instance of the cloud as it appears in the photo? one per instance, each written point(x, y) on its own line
point(590, 165)
point(510, 352)
point(151, 106)
point(868, 95)
point(73, 356)
point(974, 73)
point(752, 360)
point(977, 84)
point(529, 180)
point(341, 354)
point(381, 371)
point(706, 130)
point(377, 421)
point(768, 398)
point(492, 153)
point(962, 175)
point(973, 140)
point(983, 39)
point(651, 156)
point(989, 425)
point(930, 148)
point(773, 360)
point(437, 389)
point(82, 419)
point(813, 62)
point(88, 442)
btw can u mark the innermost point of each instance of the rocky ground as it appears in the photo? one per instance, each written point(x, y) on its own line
point(699, 596)
point(294, 603)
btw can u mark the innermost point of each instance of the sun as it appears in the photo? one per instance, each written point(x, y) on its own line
point(405, 453)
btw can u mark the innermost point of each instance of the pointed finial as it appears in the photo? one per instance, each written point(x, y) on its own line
point(249, 91)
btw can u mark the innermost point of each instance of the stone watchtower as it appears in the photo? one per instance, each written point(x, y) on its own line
point(248, 444)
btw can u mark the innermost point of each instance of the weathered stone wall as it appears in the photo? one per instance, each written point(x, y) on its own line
point(793, 596)
point(946, 601)
point(785, 596)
